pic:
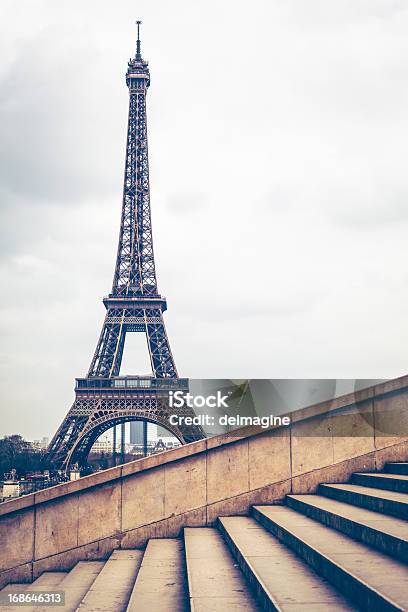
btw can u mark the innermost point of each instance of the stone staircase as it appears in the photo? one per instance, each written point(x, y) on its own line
point(344, 548)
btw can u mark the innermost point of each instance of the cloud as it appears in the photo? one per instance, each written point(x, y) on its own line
point(369, 205)
point(186, 202)
point(57, 144)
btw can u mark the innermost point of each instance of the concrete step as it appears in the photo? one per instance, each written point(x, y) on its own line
point(16, 586)
point(383, 532)
point(74, 584)
point(77, 582)
point(378, 500)
point(280, 578)
point(161, 583)
point(113, 586)
point(48, 580)
point(13, 588)
point(369, 578)
point(389, 482)
point(396, 468)
point(215, 582)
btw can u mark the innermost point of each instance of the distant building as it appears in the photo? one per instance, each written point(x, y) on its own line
point(41, 444)
point(102, 445)
point(136, 432)
point(11, 486)
point(161, 444)
point(34, 481)
point(74, 474)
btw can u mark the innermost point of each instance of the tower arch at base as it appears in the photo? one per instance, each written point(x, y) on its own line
point(82, 447)
point(94, 412)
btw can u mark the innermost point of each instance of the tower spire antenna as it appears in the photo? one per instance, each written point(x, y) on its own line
point(138, 54)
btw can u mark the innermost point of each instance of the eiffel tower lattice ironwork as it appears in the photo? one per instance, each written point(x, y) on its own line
point(103, 399)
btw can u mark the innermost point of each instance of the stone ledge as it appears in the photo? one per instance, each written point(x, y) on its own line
point(146, 463)
point(14, 505)
point(205, 515)
point(76, 486)
point(329, 407)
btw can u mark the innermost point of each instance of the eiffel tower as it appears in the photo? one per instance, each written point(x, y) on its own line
point(104, 399)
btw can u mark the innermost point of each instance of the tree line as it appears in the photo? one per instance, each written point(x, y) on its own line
point(19, 454)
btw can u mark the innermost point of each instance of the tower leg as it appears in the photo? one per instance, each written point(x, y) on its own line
point(114, 447)
point(145, 438)
point(122, 443)
point(161, 357)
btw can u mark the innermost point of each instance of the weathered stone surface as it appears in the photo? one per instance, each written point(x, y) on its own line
point(93, 525)
point(20, 573)
point(47, 580)
point(77, 583)
point(193, 518)
point(396, 384)
point(174, 454)
point(353, 433)
point(143, 499)
point(160, 583)
point(87, 482)
point(312, 445)
point(111, 589)
point(167, 528)
point(373, 580)
point(56, 526)
point(186, 450)
point(278, 574)
point(185, 485)
point(330, 406)
point(269, 458)
point(19, 503)
point(230, 438)
point(379, 530)
point(397, 452)
point(64, 561)
point(339, 472)
point(378, 500)
point(391, 419)
point(213, 575)
point(16, 538)
point(227, 471)
point(241, 504)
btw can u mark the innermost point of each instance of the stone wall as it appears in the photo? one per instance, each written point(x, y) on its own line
point(194, 484)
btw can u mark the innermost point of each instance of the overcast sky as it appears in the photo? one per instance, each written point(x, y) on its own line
point(278, 137)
